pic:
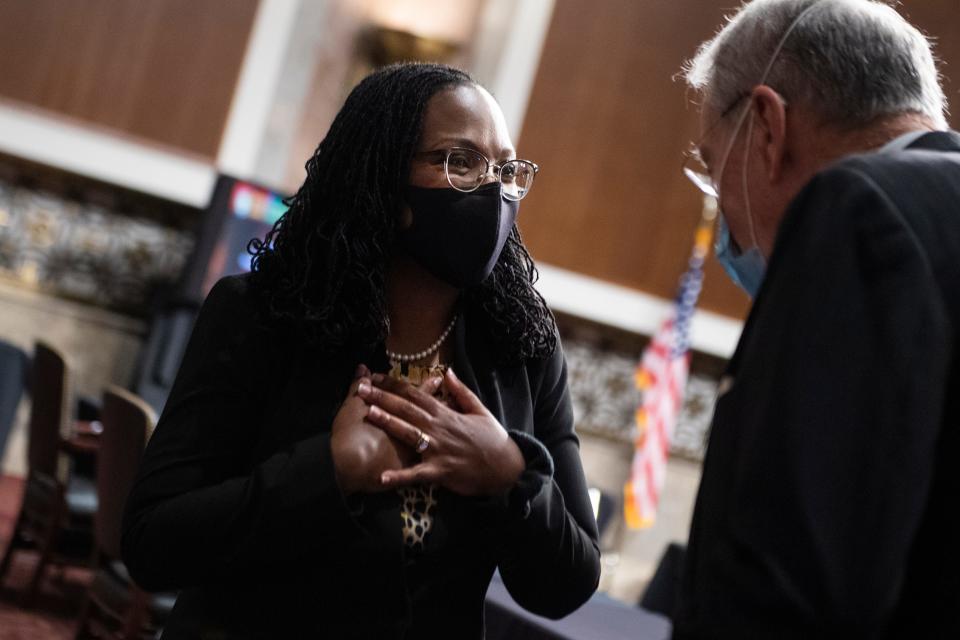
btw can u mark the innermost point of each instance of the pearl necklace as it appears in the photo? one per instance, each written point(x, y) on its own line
point(429, 351)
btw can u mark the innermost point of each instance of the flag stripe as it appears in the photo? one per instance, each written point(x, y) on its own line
point(662, 375)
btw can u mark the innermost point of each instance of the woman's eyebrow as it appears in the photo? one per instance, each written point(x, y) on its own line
point(457, 142)
point(506, 153)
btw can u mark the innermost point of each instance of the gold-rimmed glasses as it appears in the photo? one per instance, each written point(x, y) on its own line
point(466, 169)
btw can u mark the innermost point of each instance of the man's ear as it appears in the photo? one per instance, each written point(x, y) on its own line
point(770, 136)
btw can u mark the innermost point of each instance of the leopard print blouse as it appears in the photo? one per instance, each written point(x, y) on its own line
point(419, 503)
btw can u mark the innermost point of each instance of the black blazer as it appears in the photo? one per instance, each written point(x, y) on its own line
point(237, 505)
point(828, 505)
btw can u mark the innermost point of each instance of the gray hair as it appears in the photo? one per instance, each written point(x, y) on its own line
point(850, 60)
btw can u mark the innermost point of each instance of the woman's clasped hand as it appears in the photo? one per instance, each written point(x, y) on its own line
point(390, 433)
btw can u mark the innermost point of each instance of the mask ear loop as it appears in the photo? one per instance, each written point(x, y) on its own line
point(749, 111)
point(723, 167)
point(746, 188)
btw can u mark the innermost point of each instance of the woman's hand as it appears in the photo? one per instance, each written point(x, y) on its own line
point(467, 450)
point(361, 451)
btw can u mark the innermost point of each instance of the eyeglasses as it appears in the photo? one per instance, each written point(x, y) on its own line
point(696, 170)
point(693, 165)
point(466, 169)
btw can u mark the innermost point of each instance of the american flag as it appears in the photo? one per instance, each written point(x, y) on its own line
point(661, 376)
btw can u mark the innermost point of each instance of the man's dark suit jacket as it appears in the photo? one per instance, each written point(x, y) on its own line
point(829, 500)
point(237, 505)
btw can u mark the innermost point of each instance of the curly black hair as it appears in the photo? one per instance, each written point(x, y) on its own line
point(322, 266)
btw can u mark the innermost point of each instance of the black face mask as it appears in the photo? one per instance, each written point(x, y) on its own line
point(458, 236)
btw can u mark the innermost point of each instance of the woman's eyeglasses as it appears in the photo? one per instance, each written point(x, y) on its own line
point(466, 169)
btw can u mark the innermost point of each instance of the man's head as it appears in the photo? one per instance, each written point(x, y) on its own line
point(788, 86)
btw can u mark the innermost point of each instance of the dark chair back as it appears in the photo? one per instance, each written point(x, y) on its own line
point(46, 509)
point(13, 381)
point(49, 410)
point(127, 424)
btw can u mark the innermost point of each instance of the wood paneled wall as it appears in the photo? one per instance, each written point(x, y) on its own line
point(164, 70)
point(608, 123)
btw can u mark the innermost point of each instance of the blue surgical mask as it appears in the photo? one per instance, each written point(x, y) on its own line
point(746, 268)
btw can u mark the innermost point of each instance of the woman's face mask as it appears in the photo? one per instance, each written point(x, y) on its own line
point(458, 237)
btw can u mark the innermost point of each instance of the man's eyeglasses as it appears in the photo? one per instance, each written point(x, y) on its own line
point(693, 165)
point(696, 170)
point(466, 169)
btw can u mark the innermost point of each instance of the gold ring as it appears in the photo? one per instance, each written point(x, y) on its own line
point(423, 441)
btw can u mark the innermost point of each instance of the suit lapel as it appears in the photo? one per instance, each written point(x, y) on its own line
point(473, 365)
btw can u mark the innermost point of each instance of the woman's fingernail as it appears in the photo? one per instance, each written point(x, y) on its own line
point(374, 412)
point(377, 377)
point(436, 382)
point(385, 478)
point(363, 389)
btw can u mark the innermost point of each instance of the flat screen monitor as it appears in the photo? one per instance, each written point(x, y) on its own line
point(246, 211)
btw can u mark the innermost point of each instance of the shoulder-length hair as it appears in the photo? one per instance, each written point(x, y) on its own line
point(322, 267)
